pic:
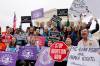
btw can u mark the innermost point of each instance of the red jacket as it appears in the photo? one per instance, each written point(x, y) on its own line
point(2, 46)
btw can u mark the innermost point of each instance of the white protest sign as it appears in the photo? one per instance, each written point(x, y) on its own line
point(83, 57)
point(93, 5)
point(79, 7)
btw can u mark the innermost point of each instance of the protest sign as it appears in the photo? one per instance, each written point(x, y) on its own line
point(27, 53)
point(56, 18)
point(54, 36)
point(62, 12)
point(44, 58)
point(58, 51)
point(83, 57)
point(78, 7)
point(37, 13)
point(25, 19)
point(93, 7)
point(8, 58)
point(39, 40)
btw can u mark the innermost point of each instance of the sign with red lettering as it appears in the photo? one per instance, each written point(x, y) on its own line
point(39, 40)
point(58, 51)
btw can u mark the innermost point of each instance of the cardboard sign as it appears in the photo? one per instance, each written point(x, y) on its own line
point(62, 12)
point(28, 53)
point(58, 51)
point(44, 58)
point(37, 13)
point(84, 57)
point(8, 58)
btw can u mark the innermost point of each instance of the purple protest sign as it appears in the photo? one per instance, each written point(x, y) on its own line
point(8, 58)
point(44, 58)
point(37, 13)
point(28, 53)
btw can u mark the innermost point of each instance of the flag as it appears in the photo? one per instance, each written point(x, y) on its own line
point(14, 21)
point(8, 58)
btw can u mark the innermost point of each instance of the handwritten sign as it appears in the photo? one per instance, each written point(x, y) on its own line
point(83, 57)
point(78, 7)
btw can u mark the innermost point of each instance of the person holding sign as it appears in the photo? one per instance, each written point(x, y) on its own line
point(2, 45)
point(68, 42)
point(86, 42)
point(12, 46)
point(8, 37)
point(44, 58)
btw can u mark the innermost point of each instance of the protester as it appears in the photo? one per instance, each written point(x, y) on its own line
point(12, 46)
point(8, 37)
point(44, 56)
point(71, 33)
point(69, 42)
point(37, 32)
point(75, 36)
point(2, 45)
point(86, 42)
point(30, 35)
point(20, 39)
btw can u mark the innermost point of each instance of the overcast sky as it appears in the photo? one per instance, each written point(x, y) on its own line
point(24, 8)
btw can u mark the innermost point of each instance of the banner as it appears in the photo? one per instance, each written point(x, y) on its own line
point(37, 13)
point(27, 53)
point(25, 19)
point(44, 58)
point(84, 57)
point(59, 51)
point(8, 58)
point(62, 12)
point(54, 36)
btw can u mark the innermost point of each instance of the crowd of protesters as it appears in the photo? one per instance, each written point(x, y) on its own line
point(71, 34)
